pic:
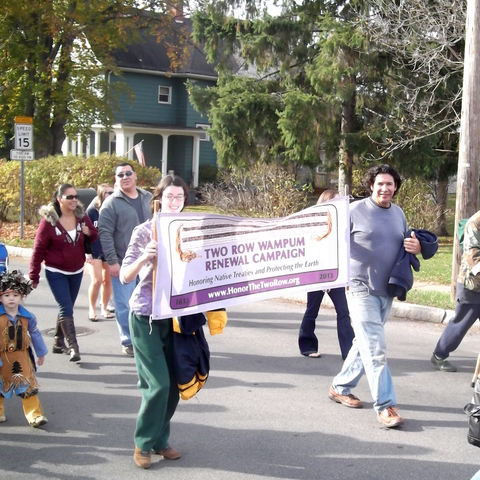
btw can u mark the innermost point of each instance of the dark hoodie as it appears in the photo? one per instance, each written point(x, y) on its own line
point(401, 277)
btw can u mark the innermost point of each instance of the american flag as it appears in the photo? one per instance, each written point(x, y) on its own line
point(139, 152)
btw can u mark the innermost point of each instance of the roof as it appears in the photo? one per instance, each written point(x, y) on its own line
point(154, 125)
point(150, 55)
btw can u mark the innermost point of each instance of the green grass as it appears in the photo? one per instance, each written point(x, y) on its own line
point(437, 269)
point(431, 298)
point(19, 242)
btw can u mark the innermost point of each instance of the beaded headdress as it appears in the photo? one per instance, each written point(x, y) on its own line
point(16, 281)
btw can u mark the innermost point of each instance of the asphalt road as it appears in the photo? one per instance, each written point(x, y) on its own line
point(263, 414)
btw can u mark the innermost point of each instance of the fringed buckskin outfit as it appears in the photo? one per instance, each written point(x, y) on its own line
point(17, 367)
point(64, 259)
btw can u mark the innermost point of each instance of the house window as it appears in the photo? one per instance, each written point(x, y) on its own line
point(204, 136)
point(164, 94)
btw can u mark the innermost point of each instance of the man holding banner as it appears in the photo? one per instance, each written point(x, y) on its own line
point(377, 232)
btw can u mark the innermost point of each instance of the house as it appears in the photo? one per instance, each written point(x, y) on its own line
point(172, 135)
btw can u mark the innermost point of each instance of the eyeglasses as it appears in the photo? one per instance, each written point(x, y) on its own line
point(108, 193)
point(179, 198)
point(125, 174)
point(70, 197)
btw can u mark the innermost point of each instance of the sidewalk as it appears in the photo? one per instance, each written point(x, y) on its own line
point(399, 309)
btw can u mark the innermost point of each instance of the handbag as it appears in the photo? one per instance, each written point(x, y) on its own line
point(473, 412)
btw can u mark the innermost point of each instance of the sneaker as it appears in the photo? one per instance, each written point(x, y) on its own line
point(38, 421)
point(128, 350)
point(142, 458)
point(443, 364)
point(110, 307)
point(169, 453)
point(3, 418)
point(349, 400)
point(390, 418)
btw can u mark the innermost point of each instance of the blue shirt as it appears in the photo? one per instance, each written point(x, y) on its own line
point(3, 258)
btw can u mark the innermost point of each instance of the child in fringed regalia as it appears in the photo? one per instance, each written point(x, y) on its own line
point(18, 329)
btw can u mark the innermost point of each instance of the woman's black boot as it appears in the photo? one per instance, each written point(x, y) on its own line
point(59, 340)
point(70, 335)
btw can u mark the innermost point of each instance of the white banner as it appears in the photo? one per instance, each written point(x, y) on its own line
point(212, 261)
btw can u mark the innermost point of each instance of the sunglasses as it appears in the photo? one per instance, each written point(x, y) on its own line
point(126, 174)
point(70, 197)
point(108, 193)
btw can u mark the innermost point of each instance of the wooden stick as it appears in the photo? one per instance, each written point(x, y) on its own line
point(477, 370)
point(156, 208)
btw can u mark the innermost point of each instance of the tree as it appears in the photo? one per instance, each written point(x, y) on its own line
point(57, 57)
point(372, 81)
point(421, 132)
point(314, 71)
point(468, 163)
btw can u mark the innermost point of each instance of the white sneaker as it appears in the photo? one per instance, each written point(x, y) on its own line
point(110, 306)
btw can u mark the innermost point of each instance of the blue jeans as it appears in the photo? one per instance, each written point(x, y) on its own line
point(369, 350)
point(307, 340)
point(65, 290)
point(121, 297)
point(476, 476)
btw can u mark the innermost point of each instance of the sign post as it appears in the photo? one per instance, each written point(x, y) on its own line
point(23, 151)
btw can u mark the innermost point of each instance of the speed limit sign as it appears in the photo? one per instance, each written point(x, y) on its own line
point(23, 136)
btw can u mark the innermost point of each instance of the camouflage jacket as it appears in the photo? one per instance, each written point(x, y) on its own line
point(469, 274)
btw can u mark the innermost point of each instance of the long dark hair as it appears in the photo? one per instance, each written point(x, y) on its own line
point(60, 191)
point(165, 182)
point(371, 175)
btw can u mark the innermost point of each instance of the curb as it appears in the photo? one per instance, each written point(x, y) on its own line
point(410, 311)
point(399, 309)
point(19, 251)
point(421, 312)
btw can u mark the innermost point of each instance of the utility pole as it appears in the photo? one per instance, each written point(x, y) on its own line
point(469, 150)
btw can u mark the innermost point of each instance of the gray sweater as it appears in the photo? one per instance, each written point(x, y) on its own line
point(116, 222)
point(376, 235)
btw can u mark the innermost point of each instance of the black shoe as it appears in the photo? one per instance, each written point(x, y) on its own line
point(58, 349)
point(128, 350)
point(443, 364)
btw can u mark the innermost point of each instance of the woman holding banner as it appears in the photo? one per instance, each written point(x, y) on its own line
point(152, 340)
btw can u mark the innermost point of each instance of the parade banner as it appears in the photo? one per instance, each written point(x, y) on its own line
point(212, 261)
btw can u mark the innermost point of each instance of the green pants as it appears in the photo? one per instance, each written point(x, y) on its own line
point(156, 380)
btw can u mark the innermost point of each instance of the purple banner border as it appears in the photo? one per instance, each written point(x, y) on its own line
point(251, 287)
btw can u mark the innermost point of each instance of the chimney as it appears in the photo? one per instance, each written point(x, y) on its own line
point(177, 11)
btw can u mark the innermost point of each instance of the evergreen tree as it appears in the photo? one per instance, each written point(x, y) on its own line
point(312, 72)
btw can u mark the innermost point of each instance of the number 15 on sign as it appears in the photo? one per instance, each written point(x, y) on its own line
point(23, 136)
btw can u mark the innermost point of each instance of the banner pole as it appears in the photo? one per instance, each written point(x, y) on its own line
point(156, 208)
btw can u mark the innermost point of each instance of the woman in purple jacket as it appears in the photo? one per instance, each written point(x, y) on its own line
point(152, 340)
